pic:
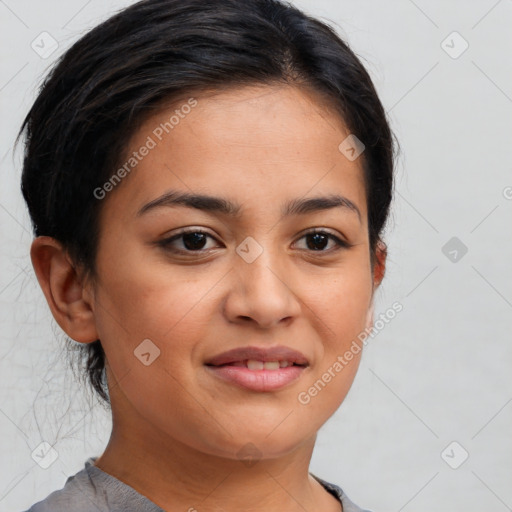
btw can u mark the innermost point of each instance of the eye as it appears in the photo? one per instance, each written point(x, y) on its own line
point(317, 240)
point(196, 241)
point(191, 240)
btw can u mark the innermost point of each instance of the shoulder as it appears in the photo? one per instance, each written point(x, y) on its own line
point(92, 490)
point(348, 505)
point(78, 494)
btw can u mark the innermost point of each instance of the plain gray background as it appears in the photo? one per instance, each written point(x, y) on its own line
point(438, 373)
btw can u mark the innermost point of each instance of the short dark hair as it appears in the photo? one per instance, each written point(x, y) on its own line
point(155, 51)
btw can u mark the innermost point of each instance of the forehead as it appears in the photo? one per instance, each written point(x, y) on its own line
point(257, 142)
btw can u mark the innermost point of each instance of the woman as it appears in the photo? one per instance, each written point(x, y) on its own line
point(208, 184)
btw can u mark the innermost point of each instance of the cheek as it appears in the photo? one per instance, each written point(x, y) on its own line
point(345, 312)
point(145, 298)
point(341, 309)
point(141, 302)
point(138, 309)
point(166, 310)
point(341, 302)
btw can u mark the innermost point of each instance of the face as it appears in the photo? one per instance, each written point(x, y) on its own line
point(249, 273)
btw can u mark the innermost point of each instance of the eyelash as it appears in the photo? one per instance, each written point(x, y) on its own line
point(166, 243)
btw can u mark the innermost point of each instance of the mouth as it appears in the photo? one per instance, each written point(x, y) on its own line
point(255, 364)
point(258, 369)
point(241, 356)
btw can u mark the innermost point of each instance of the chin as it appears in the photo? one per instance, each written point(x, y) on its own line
point(255, 444)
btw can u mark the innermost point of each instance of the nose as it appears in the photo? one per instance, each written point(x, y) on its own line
point(262, 292)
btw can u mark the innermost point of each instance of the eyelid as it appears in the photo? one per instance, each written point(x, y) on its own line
point(185, 231)
point(191, 229)
point(166, 242)
point(340, 242)
point(326, 231)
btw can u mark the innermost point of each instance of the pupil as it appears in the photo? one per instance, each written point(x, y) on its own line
point(318, 237)
point(194, 240)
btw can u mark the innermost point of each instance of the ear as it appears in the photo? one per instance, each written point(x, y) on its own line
point(378, 271)
point(369, 318)
point(63, 288)
point(379, 267)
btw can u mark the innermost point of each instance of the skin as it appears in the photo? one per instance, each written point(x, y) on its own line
point(177, 430)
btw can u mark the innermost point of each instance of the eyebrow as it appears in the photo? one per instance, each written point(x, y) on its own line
point(224, 206)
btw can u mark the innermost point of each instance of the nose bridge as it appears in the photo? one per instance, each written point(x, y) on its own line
point(261, 291)
point(258, 266)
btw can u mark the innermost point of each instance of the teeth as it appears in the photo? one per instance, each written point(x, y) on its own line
point(267, 365)
point(255, 365)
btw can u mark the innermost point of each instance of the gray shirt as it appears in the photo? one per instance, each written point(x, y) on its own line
point(93, 490)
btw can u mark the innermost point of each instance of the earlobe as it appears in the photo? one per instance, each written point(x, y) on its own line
point(63, 289)
point(369, 318)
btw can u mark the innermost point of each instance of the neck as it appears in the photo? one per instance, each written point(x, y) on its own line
point(176, 476)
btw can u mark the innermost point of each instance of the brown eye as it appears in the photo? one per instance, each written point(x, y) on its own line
point(194, 241)
point(318, 240)
point(187, 241)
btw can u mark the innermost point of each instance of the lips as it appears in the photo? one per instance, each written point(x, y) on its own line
point(258, 369)
point(242, 355)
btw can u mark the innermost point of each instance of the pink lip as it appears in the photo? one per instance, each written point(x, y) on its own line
point(257, 380)
point(222, 366)
point(279, 353)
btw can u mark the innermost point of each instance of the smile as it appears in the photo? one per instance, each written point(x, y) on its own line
point(259, 379)
point(254, 364)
